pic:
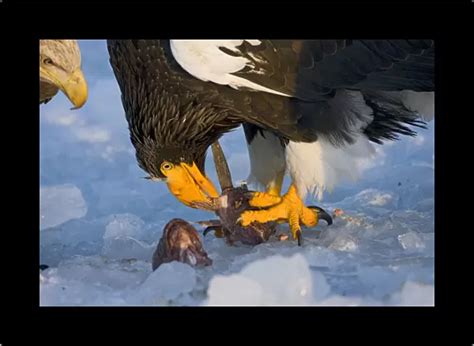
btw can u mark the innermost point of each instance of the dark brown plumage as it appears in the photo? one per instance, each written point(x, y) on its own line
point(180, 96)
point(175, 116)
point(171, 116)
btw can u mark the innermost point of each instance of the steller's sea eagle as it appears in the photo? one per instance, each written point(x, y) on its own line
point(309, 108)
point(60, 69)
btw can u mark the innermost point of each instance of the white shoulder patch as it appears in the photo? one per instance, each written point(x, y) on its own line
point(204, 60)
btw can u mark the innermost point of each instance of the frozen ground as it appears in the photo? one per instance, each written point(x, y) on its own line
point(100, 222)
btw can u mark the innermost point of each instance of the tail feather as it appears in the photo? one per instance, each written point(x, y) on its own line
point(391, 117)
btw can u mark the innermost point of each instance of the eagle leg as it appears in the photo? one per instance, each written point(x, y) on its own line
point(272, 196)
point(291, 209)
point(263, 199)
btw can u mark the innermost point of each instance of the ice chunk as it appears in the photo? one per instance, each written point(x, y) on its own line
point(338, 300)
point(321, 288)
point(235, 290)
point(122, 238)
point(319, 256)
point(274, 280)
point(91, 281)
point(76, 293)
point(344, 242)
point(426, 205)
point(127, 248)
point(381, 199)
point(414, 294)
point(74, 232)
point(74, 237)
point(167, 283)
point(411, 241)
point(125, 225)
point(381, 281)
point(371, 198)
point(59, 204)
point(99, 271)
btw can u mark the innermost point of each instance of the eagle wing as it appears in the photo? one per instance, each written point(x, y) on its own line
point(297, 78)
point(310, 70)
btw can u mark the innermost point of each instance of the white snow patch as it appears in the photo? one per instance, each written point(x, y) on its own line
point(235, 290)
point(272, 281)
point(166, 283)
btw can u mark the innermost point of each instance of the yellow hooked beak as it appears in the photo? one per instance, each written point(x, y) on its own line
point(75, 88)
point(189, 185)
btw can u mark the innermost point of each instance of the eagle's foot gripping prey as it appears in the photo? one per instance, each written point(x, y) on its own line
point(287, 208)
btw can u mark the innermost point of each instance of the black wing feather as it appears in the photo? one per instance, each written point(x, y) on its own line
point(309, 70)
point(312, 72)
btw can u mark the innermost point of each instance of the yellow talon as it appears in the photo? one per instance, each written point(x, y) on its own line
point(263, 199)
point(290, 208)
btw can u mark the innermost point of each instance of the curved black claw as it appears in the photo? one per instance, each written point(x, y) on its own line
point(43, 267)
point(207, 223)
point(322, 214)
point(299, 237)
point(208, 229)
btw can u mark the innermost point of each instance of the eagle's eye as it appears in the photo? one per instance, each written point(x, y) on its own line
point(48, 61)
point(166, 166)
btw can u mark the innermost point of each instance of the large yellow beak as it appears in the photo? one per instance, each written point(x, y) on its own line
point(75, 88)
point(189, 185)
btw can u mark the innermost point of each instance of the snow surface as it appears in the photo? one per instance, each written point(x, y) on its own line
point(100, 222)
